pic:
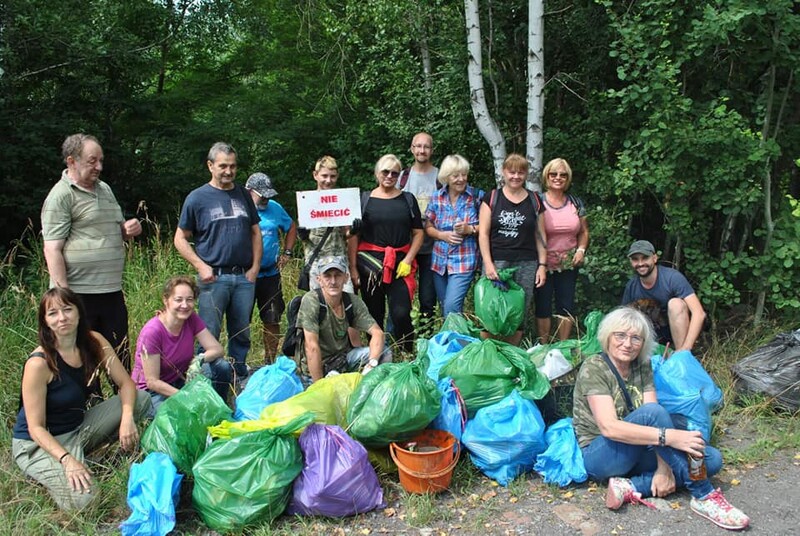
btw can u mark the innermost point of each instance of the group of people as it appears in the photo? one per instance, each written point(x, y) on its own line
point(423, 231)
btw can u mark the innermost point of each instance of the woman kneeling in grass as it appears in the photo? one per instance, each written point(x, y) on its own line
point(54, 427)
point(628, 438)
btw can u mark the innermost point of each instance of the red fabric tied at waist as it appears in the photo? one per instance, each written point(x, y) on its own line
point(390, 264)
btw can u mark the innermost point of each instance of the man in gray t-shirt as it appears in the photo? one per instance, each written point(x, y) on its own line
point(421, 181)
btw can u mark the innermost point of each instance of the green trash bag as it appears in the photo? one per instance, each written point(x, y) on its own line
point(459, 323)
point(392, 403)
point(574, 350)
point(180, 427)
point(249, 478)
point(500, 311)
point(487, 371)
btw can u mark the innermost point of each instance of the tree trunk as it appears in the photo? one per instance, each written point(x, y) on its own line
point(483, 119)
point(535, 133)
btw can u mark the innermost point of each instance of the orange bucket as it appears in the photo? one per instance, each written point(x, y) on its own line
point(426, 462)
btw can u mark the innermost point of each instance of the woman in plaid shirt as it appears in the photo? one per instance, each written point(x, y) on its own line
point(452, 221)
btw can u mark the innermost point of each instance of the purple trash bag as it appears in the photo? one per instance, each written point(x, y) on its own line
point(337, 478)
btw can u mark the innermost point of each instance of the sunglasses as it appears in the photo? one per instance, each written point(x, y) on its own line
point(554, 174)
point(390, 173)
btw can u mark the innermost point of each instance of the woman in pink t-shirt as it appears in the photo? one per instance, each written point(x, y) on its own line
point(567, 239)
point(165, 347)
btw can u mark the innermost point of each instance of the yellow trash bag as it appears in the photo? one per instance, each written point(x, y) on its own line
point(327, 399)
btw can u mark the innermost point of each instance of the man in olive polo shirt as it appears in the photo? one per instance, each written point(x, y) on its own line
point(83, 232)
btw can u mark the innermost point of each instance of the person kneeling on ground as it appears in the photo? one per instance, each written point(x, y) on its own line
point(165, 347)
point(628, 438)
point(324, 346)
point(54, 427)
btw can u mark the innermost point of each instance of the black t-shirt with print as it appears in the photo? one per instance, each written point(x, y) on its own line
point(513, 231)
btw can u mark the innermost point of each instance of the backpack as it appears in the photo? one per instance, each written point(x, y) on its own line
point(293, 333)
point(536, 201)
point(410, 199)
point(576, 201)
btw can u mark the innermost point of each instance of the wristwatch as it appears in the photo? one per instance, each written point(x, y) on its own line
point(373, 363)
point(287, 252)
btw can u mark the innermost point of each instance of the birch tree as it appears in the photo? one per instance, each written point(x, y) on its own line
point(534, 138)
point(483, 119)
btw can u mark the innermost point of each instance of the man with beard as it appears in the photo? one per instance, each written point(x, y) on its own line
point(83, 232)
point(421, 181)
point(222, 220)
point(668, 288)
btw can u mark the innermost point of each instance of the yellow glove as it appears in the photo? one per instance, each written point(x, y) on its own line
point(403, 270)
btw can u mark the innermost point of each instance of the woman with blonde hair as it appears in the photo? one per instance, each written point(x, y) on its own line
point(452, 221)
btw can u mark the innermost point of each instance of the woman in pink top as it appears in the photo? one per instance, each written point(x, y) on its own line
point(165, 347)
point(567, 240)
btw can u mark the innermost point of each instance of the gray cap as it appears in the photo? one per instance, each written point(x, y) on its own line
point(261, 184)
point(643, 247)
point(330, 262)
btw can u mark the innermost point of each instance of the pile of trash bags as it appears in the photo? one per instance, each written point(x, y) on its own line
point(309, 452)
point(773, 370)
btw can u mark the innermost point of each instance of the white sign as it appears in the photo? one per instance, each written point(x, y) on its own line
point(328, 208)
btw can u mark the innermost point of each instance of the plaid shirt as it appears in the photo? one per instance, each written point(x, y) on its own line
point(464, 257)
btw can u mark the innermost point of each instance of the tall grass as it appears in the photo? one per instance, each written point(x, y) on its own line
point(28, 510)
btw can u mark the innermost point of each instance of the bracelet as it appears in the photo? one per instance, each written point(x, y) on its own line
point(582, 250)
point(61, 459)
point(287, 252)
point(541, 264)
point(662, 437)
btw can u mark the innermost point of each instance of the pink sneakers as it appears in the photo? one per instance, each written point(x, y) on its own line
point(716, 508)
point(621, 491)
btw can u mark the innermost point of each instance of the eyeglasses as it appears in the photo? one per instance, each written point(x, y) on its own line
point(554, 174)
point(390, 173)
point(621, 337)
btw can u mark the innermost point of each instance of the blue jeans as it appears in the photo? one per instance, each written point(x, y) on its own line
point(451, 289)
point(356, 359)
point(605, 458)
point(218, 371)
point(231, 295)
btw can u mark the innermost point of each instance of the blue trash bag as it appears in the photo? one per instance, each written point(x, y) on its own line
point(266, 386)
point(442, 348)
point(453, 416)
point(682, 374)
point(153, 491)
point(562, 462)
point(504, 439)
point(690, 406)
point(337, 478)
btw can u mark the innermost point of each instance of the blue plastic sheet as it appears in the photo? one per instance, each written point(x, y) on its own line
point(266, 386)
point(682, 374)
point(453, 416)
point(337, 478)
point(153, 491)
point(442, 348)
point(562, 462)
point(504, 439)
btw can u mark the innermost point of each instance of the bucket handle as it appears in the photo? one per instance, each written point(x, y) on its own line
point(440, 472)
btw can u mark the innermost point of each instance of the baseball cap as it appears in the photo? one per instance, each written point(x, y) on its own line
point(643, 247)
point(328, 263)
point(261, 184)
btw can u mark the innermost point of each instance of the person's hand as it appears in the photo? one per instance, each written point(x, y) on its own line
point(195, 367)
point(462, 228)
point(206, 274)
point(282, 261)
point(131, 228)
point(687, 441)
point(355, 279)
point(578, 257)
point(252, 274)
point(663, 482)
point(541, 276)
point(128, 433)
point(403, 269)
point(490, 271)
point(303, 233)
point(355, 227)
point(453, 237)
point(78, 475)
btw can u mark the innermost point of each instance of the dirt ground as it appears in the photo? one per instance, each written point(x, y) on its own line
point(767, 492)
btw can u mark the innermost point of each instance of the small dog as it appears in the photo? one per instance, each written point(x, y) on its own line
point(652, 310)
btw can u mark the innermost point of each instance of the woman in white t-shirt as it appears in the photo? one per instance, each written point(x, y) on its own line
point(567, 239)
